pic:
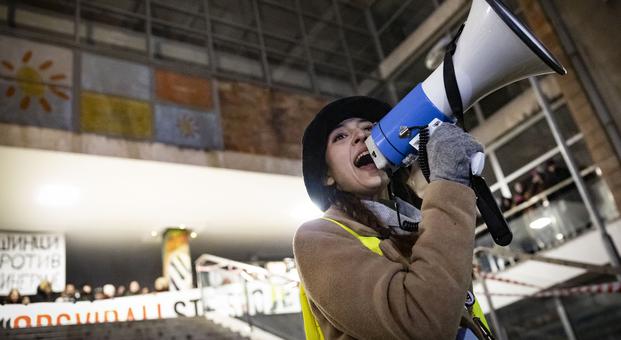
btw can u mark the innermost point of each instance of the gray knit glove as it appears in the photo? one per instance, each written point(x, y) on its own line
point(448, 153)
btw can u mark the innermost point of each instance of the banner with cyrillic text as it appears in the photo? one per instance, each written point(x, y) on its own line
point(28, 258)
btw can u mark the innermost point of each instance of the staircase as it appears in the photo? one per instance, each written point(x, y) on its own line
point(182, 328)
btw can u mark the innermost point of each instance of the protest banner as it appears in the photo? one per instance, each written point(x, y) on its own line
point(129, 308)
point(28, 258)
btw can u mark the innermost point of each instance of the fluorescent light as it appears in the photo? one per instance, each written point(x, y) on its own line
point(56, 195)
point(540, 223)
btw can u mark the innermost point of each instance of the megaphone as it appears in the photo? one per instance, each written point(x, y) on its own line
point(494, 50)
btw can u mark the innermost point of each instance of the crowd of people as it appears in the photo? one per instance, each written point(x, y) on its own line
point(540, 179)
point(85, 293)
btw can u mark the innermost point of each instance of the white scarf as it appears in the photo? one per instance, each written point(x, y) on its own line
point(388, 216)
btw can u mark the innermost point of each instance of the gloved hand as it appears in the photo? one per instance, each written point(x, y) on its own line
point(448, 152)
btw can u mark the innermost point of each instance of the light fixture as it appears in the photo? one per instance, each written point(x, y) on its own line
point(193, 234)
point(57, 195)
point(559, 236)
point(182, 226)
point(540, 223)
point(154, 233)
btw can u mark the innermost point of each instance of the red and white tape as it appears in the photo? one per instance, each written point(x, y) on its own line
point(604, 288)
point(489, 276)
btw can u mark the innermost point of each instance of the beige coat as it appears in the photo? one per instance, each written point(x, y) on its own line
point(416, 290)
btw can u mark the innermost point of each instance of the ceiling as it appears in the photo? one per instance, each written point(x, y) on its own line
point(109, 198)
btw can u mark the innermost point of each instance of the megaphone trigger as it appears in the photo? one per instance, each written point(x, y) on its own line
point(477, 163)
point(431, 127)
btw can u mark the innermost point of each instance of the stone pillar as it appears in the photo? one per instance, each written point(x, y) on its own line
point(594, 134)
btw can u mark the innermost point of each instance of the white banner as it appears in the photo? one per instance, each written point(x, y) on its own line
point(28, 258)
point(129, 308)
point(263, 297)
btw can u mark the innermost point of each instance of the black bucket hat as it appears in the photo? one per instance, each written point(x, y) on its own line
point(314, 142)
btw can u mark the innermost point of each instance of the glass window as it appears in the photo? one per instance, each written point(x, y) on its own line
point(279, 21)
point(113, 28)
point(322, 8)
point(499, 98)
point(352, 16)
point(488, 173)
point(411, 75)
point(565, 122)
point(581, 154)
point(236, 12)
point(407, 21)
point(525, 147)
point(470, 119)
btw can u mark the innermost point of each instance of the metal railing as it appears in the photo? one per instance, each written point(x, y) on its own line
point(242, 290)
point(549, 219)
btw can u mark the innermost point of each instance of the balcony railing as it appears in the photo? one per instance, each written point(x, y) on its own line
point(550, 218)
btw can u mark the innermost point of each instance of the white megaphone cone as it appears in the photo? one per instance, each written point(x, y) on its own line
point(494, 50)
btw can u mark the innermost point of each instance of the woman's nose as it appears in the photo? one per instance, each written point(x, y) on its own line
point(360, 136)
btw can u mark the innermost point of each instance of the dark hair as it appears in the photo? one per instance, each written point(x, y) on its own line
point(353, 206)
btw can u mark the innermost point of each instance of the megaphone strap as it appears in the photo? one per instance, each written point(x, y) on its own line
point(450, 80)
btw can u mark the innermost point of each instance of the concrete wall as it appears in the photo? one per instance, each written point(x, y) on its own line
point(596, 139)
point(264, 121)
point(262, 130)
point(594, 27)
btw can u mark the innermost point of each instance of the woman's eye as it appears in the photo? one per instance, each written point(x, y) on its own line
point(338, 137)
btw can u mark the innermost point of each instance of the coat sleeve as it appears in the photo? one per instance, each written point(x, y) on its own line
point(370, 297)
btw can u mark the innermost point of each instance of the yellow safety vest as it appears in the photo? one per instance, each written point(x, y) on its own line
point(311, 326)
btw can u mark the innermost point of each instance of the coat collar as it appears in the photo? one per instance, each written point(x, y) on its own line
point(339, 215)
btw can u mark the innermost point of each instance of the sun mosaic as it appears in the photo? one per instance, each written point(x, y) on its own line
point(32, 82)
point(187, 126)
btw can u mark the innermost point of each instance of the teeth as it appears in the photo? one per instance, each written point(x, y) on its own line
point(362, 154)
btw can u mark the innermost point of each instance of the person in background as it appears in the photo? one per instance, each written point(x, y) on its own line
point(68, 295)
point(99, 294)
point(536, 183)
point(134, 288)
point(505, 204)
point(553, 173)
point(518, 194)
point(109, 290)
point(25, 300)
point(86, 292)
point(14, 297)
point(144, 290)
point(121, 291)
point(44, 292)
point(160, 284)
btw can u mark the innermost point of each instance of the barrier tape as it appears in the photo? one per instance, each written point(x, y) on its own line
point(488, 276)
point(604, 288)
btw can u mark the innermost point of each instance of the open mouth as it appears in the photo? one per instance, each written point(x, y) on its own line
point(363, 159)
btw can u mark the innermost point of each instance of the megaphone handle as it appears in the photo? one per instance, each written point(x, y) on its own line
point(496, 223)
